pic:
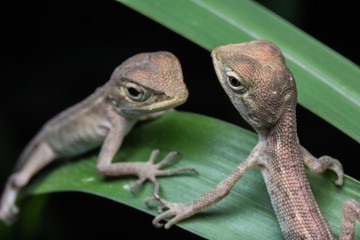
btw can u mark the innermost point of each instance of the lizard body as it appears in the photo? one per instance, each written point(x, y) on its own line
point(263, 90)
point(142, 87)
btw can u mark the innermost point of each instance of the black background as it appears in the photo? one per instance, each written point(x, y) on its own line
point(55, 53)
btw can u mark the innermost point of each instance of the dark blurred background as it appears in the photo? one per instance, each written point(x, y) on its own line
point(55, 53)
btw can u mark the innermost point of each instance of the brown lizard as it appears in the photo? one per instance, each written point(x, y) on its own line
point(142, 87)
point(263, 90)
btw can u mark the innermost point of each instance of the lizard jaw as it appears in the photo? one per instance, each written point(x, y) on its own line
point(152, 108)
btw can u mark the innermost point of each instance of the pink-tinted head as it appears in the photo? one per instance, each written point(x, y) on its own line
point(258, 82)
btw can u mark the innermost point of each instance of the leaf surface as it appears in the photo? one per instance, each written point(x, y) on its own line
point(214, 148)
point(328, 84)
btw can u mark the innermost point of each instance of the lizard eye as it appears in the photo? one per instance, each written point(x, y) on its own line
point(235, 82)
point(136, 92)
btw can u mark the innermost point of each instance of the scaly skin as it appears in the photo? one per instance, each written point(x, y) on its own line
point(142, 87)
point(263, 90)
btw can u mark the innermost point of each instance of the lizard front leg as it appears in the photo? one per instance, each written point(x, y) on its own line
point(181, 211)
point(144, 170)
point(319, 165)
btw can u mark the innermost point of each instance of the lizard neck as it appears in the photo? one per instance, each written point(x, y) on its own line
point(287, 183)
point(284, 131)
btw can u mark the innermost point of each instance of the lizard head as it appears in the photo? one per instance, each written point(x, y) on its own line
point(147, 83)
point(256, 79)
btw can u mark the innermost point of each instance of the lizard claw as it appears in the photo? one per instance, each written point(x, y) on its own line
point(138, 182)
point(154, 198)
point(150, 170)
point(334, 165)
point(179, 211)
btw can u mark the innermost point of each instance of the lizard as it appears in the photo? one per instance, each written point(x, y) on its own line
point(142, 87)
point(261, 87)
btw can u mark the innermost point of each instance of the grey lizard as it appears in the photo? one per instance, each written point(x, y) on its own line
point(142, 87)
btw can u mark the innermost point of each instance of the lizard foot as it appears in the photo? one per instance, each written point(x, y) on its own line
point(149, 171)
point(334, 165)
point(8, 216)
point(8, 210)
point(179, 211)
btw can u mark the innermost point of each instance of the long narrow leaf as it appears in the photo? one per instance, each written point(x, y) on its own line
point(239, 216)
point(328, 84)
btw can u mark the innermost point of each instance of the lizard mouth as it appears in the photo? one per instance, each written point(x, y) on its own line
point(151, 108)
point(165, 105)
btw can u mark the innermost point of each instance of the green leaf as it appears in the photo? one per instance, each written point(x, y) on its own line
point(214, 148)
point(328, 84)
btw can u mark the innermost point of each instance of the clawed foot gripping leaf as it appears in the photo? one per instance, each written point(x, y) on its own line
point(214, 148)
